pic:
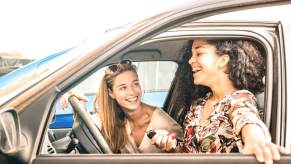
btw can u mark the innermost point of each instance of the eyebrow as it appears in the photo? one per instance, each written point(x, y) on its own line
point(125, 84)
point(121, 85)
point(198, 47)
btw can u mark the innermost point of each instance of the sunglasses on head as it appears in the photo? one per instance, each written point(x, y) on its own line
point(115, 67)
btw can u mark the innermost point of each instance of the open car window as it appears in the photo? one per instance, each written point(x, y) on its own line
point(159, 85)
point(155, 77)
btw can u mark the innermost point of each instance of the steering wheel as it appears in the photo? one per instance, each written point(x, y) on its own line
point(86, 131)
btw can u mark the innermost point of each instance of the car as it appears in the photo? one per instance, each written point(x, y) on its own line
point(28, 105)
point(19, 72)
point(10, 63)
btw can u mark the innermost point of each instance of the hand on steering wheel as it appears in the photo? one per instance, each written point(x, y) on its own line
point(94, 131)
point(65, 98)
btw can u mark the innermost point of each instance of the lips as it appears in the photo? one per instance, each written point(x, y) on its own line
point(196, 69)
point(132, 99)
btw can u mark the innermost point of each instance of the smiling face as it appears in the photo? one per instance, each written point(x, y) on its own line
point(126, 91)
point(204, 63)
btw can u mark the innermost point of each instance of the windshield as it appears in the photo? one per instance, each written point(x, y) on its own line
point(31, 74)
point(20, 72)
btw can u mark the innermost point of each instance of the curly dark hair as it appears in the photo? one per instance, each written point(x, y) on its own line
point(246, 67)
point(246, 70)
point(184, 88)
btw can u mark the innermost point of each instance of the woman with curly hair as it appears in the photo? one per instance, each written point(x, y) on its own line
point(226, 118)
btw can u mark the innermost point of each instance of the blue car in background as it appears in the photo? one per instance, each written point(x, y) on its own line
point(14, 75)
point(63, 118)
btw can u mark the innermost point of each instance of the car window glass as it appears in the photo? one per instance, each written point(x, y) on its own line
point(155, 78)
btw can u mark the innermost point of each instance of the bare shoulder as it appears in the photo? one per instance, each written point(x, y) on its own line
point(149, 108)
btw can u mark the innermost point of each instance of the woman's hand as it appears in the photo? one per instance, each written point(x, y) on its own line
point(265, 152)
point(257, 144)
point(164, 140)
point(64, 99)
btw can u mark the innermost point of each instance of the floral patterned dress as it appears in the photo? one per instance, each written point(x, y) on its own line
point(221, 132)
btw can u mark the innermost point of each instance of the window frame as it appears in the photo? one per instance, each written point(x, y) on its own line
point(210, 30)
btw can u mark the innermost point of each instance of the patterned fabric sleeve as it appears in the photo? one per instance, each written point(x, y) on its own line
point(244, 111)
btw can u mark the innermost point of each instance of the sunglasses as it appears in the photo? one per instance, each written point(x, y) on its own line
point(115, 67)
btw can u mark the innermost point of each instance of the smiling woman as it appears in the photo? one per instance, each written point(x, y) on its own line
point(226, 119)
point(121, 116)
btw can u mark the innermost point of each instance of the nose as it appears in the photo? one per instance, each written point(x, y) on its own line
point(192, 60)
point(130, 90)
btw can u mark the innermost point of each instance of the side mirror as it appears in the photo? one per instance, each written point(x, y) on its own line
point(9, 131)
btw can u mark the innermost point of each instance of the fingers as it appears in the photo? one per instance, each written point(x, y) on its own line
point(157, 138)
point(282, 150)
point(268, 157)
point(259, 154)
point(64, 101)
point(171, 144)
point(163, 141)
point(267, 152)
point(154, 139)
point(274, 151)
point(79, 95)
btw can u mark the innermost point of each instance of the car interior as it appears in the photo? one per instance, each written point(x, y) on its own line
point(84, 137)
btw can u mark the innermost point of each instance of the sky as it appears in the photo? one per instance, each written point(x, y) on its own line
point(37, 28)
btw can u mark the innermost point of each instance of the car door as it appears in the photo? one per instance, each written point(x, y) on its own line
point(268, 33)
point(182, 24)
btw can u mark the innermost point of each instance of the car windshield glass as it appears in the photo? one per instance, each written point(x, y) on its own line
point(26, 80)
point(20, 72)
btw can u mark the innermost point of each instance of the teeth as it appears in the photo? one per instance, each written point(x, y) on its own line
point(131, 99)
point(196, 69)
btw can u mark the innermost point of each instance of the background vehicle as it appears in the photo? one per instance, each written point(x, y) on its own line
point(156, 39)
point(14, 75)
point(10, 63)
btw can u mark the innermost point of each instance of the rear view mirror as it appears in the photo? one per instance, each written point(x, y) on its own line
point(9, 131)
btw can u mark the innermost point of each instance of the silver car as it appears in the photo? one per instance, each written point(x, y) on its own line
point(28, 106)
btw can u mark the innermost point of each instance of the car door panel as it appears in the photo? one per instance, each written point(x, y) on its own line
point(157, 159)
